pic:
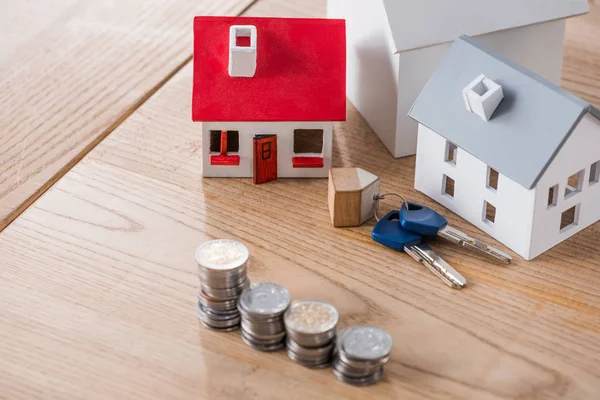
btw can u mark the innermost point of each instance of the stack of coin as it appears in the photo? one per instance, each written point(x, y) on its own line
point(361, 352)
point(262, 306)
point(223, 277)
point(311, 328)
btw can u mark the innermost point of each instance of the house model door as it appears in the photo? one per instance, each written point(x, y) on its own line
point(265, 158)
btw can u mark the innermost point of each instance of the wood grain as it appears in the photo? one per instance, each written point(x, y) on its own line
point(98, 277)
point(70, 71)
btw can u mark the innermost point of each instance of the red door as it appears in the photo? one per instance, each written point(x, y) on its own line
point(265, 158)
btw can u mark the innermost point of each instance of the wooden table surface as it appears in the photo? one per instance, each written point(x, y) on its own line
point(97, 276)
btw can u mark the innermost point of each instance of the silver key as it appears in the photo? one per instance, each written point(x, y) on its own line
point(425, 255)
point(462, 239)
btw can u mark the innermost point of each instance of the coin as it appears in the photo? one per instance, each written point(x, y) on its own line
point(316, 363)
point(311, 317)
point(367, 343)
point(354, 371)
point(264, 299)
point(260, 346)
point(258, 330)
point(310, 352)
point(364, 381)
point(225, 294)
point(222, 255)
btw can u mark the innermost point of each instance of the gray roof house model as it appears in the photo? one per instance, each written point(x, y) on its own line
point(530, 125)
point(393, 47)
point(508, 150)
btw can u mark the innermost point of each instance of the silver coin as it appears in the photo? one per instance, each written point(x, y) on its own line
point(217, 316)
point(308, 360)
point(308, 363)
point(313, 352)
point(262, 332)
point(261, 340)
point(224, 294)
point(252, 318)
point(366, 343)
point(364, 381)
point(262, 347)
point(222, 255)
point(311, 317)
point(227, 329)
point(314, 340)
point(265, 299)
point(217, 305)
point(220, 314)
point(352, 371)
point(270, 328)
point(364, 364)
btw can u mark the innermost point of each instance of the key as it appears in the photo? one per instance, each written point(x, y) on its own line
point(389, 233)
point(424, 221)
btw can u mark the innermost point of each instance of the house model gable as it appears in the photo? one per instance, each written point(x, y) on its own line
point(269, 69)
point(422, 23)
point(526, 130)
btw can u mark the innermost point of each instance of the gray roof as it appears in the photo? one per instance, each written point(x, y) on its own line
point(527, 129)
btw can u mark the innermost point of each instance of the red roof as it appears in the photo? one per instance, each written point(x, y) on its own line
point(300, 73)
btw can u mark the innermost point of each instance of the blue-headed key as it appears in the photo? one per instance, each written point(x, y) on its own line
point(426, 222)
point(389, 233)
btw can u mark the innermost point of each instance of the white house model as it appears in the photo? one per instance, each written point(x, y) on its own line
point(267, 91)
point(395, 45)
point(507, 150)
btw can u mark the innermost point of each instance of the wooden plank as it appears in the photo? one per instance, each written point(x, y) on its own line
point(98, 281)
point(70, 71)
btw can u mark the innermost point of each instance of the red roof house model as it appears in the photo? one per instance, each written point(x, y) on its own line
point(300, 71)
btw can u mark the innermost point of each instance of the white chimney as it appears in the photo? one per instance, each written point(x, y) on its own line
point(242, 50)
point(482, 96)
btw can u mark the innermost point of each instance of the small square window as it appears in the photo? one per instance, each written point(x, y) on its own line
point(451, 151)
point(574, 184)
point(308, 141)
point(552, 196)
point(489, 212)
point(492, 178)
point(232, 140)
point(595, 173)
point(448, 186)
point(569, 218)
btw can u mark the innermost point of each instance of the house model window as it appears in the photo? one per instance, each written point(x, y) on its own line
point(308, 148)
point(574, 184)
point(569, 218)
point(595, 173)
point(224, 147)
point(552, 196)
point(489, 213)
point(451, 151)
point(492, 178)
point(448, 186)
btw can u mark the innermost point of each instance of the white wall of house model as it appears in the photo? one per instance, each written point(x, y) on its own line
point(285, 148)
point(525, 220)
point(525, 169)
point(395, 45)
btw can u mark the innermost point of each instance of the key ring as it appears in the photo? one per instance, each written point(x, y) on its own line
point(378, 197)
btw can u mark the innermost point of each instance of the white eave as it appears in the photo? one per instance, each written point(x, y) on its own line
point(422, 23)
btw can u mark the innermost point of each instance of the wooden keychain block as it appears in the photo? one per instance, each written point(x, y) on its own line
point(350, 196)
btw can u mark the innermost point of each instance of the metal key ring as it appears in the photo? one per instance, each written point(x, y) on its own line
point(378, 197)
